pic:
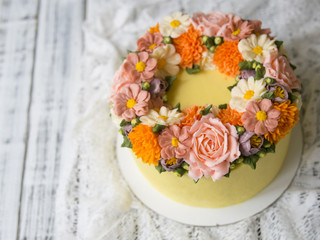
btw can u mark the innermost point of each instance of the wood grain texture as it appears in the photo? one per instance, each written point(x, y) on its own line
point(17, 46)
point(57, 71)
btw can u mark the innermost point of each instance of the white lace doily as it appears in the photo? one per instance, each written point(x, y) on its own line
point(94, 201)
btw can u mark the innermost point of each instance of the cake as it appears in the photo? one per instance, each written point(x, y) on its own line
point(207, 103)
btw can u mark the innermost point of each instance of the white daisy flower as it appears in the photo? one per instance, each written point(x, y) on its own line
point(246, 91)
point(165, 117)
point(206, 62)
point(167, 61)
point(174, 25)
point(256, 47)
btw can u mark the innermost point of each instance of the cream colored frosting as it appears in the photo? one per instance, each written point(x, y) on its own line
point(210, 87)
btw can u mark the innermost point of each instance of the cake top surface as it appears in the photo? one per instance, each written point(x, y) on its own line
point(204, 94)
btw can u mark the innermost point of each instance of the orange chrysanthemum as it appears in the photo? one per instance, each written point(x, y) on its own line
point(231, 116)
point(190, 47)
point(145, 144)
point(154, 29)
point(227, 58)
point(288, 118)
point(191, 115)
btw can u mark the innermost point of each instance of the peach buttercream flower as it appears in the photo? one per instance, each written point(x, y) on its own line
point(148, 42)
point(191, 115)
point(278, 67)
point(258, 30)
point(175, 142)
point(236, 29)
point(260, 117)
point(121, 78)
point(214, 146)
point(131, 101)
point(141, 65)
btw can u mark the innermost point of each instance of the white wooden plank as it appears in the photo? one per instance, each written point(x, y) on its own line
point(17, 44)
point(57, 71)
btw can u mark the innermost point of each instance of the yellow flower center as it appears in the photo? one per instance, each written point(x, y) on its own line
point(261, 116)
point(258, 50)
point(236, 32)
point(175, 23)
point(255, 141)
point(248, 95)
point(131, 103)
point(161, 63)
point(140, 66)
point(279, 92)
point(175, 142)
point(152, 46)
point(171, 161)
point(163, 117)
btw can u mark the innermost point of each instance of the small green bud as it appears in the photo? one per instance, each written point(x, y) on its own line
point(158, 128)
point(204, 39)
point(261, 153)
point(240, 129)
point(167, 40)
point(254, 65)
point(145, 86)
point(238, 78)
point(218, 40)
point(179, 172)
point(135, 122)
point(266, 144)
point(269, 80)
point(212, 49)
point(165, 98)
point(258, 67)
point(232, 166)
point(223, 106)
point(185, 166)
point(240, 160)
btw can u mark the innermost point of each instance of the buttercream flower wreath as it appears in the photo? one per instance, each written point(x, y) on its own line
point(206, 140)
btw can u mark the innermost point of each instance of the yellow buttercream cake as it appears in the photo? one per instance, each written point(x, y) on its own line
point(206, 103)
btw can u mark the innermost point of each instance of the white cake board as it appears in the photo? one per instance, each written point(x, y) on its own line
point(210, 216)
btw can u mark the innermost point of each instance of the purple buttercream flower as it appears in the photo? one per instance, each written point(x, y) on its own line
point(280, 93)
point(245, 74)
point(170, 168)
point(127, 129)
point(158, 87)
point(249, 146)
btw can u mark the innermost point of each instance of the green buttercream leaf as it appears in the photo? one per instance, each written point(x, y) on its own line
point(170, 81)
point(278, 44)
point(268, 95)
point(126, 142)
point(193, 70)
point(245, 65)
point(293, 66)
point(260, 72)
point(228, 174)
point(124, 123)
point(178, 106)
point(121, 130)
point(160, 168)
point(271, 149)
point(292, 97)
point(206, 110)
point(179, 171)
point(251, 161)
point(231, 87)
point(223, 106)
point(158, 128)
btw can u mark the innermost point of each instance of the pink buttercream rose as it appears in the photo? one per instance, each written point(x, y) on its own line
point(175, 142)
point(236, 29)
point(120, 79)
point(278, 67)
point(209, 24)
point(261, 117)
point(150, 41)
point(131, 101)
point(141, 66)
point(214, 146)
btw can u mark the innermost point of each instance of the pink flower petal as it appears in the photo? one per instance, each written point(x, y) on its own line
point(260, 128)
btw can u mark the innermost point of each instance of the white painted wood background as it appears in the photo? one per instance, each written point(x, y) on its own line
point(40, 63)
